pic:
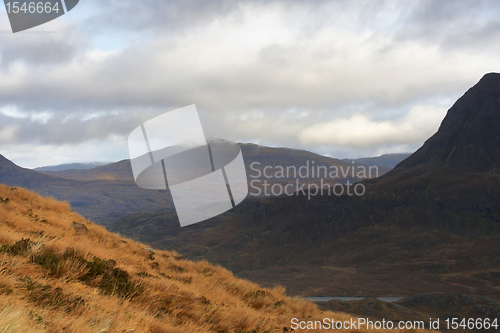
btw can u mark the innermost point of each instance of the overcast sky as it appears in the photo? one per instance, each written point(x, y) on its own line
point(339, 78)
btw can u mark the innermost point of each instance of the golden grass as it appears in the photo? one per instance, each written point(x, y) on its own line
point(70, 278)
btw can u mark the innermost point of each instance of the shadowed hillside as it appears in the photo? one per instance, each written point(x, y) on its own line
point(61, 273)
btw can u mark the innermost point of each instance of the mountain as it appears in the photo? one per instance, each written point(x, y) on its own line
point(256, 157)
point(113, 171)
point(69, 166)
point(10, 172)
point(62, 273)
point(103, 201)
point(386, 160)
point(107, 193)
point(468, 140)
point(432, 224)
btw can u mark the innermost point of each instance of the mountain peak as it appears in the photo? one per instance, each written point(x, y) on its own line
point(489, 80)
point(468, 140)
point(6, 164)
point(3, 160)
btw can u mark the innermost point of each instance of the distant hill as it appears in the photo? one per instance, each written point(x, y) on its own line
point(261, 156)
point(70, 166)
point(62, 273)
point(103, 201)
point(432, 224)
point(113, 171)
point(386, 160)
point(107, 193)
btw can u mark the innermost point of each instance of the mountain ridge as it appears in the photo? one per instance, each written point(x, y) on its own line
point(468, 139)
point(107, 193)
point(69, 166)
point(270, 156)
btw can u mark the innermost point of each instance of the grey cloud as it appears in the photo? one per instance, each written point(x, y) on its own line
point(37, 53)
point(68, 130)
point(137, 78)
point(448, 13)
point(145, 76)
point(451, 24)
point(52, 49)
point(150, 14)
point(173, 15)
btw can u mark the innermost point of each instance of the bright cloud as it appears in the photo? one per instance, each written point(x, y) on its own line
point(361, 131)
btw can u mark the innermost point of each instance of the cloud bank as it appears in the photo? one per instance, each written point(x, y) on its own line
point(340, 78)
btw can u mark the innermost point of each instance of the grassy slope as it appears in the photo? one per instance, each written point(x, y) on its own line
point(75, 276)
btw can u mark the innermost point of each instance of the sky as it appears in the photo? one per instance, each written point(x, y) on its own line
point(344, 79)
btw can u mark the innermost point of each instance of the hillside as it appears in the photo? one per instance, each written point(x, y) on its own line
point(432, 224)
point(256, 155)
point(316, 255)
point(59, 272)
point(103, 201)
point(69, 166)
point(113, 171)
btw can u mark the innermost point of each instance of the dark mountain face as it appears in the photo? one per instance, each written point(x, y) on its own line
point(430, 224)
point(4, 161)
point(468, 140)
